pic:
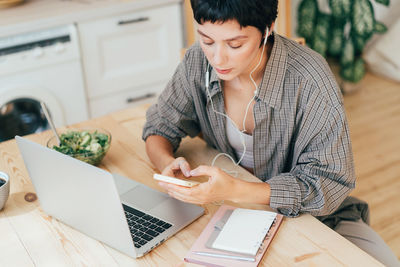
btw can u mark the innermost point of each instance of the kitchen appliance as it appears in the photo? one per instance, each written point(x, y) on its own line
point(40, 66)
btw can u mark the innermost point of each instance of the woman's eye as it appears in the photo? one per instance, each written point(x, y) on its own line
point(207, 42)
point(235, 45)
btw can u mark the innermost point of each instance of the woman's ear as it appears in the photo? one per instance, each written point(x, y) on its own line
point(271, 29)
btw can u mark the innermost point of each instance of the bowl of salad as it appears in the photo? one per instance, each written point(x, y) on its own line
point(88, 145)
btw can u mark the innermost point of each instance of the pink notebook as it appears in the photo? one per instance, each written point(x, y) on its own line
point(200, 244)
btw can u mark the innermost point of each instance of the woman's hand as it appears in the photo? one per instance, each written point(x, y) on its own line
point(220, 186)
point(179, 168)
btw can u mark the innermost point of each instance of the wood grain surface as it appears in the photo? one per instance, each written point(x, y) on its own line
point(29, 237)
point(373, 112)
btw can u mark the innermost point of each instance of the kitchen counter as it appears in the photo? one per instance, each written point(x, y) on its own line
point(41, 14)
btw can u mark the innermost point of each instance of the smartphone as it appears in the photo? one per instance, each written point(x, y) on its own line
point(173, 180)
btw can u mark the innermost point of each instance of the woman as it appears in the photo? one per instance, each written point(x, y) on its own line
point(267, 102)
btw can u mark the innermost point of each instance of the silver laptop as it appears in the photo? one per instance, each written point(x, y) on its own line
point(122, 213)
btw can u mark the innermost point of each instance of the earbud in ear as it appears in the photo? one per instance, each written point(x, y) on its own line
point(266, 35)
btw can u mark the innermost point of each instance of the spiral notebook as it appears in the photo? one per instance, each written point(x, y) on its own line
point(235, 237)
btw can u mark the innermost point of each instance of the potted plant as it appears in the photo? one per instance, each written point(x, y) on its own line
point(341, 35)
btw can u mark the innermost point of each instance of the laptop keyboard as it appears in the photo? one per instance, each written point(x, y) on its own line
point(143, 227)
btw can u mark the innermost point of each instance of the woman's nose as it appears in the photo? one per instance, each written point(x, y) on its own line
point(219, 56)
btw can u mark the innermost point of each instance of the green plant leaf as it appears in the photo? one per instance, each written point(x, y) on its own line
point(353, 72)
point(347, 56)
point(321, 34)
point(383, 2)
point(336, 40)
point(340, 9)
point(380, 27)
point(362, 18)
point(346, 72)
point(359, 43)
point(307, 16)
point(358, 70)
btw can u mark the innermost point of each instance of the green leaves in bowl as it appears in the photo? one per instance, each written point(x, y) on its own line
point(88, 146)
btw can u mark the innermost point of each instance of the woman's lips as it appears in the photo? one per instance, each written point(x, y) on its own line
point(223, 71)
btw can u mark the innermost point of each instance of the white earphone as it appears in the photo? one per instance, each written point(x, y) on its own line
point(207, 84)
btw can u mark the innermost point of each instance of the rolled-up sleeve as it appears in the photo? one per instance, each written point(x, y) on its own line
point(173, 116)
point(323, 171)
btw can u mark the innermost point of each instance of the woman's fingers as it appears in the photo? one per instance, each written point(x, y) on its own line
point(168, 172)
point(204, 192)
point(185, 167)
point(178, 188)
point(187, 195)
point(179, 165)
point(204, 170)
point(218, 187)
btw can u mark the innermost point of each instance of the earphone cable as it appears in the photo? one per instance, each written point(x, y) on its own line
point(207, 79)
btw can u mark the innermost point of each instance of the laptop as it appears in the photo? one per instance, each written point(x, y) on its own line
point(124, 214)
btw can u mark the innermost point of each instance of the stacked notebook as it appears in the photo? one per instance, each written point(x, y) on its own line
point(235, 237)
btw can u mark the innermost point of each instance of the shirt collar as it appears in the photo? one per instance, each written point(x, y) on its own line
point(214, 76)
point(214, 83)
point(271, 88)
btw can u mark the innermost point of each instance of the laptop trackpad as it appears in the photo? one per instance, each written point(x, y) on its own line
point(143, 197)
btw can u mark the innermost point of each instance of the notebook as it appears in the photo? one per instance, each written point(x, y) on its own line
point(244, 231)
point(206, 252)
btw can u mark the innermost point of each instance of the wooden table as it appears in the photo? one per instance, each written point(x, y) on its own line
point(29, 237)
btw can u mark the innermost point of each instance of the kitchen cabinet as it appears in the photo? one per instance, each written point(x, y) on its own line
point(130, 57)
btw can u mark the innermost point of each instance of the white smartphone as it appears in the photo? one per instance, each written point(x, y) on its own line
point(173, 180)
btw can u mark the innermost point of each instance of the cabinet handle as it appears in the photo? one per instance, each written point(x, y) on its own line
point(130, 21)
point(136, 99)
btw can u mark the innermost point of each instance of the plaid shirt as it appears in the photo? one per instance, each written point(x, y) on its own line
point(301, 139)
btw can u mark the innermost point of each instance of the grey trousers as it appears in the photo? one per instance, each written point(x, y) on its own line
point(364, 237)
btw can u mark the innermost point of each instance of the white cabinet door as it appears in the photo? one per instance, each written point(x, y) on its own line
point(125, 99)
point(131, 51)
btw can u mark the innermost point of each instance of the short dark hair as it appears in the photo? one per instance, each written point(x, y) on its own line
point(257, 13)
